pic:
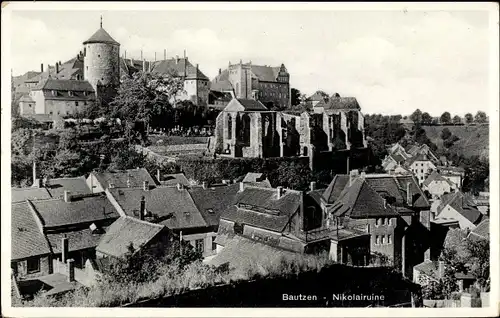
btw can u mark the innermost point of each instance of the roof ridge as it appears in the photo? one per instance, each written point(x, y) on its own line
point(127, 217)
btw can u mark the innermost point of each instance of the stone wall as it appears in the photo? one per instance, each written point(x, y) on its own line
point(101, 64)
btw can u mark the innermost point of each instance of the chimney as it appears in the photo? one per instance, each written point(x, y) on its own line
point(409, 196)
point(141, 55)
point(164, 54)
point(385, 203)
point(71, 270)
point(440, 269)
point(177, 59)
point(145, 185)
point(220, 71)
point(143, 208)
point(279, 192)
point(67, 196)
point(204, 184)
point(57, 67)
point(155, 56)
point(111, 185)
point(41, 67)
point(125, 56)
point(64, 249)
point(313, 186)
point(242, 186)
point(143, 64)
point(158, 175)
point(179, 186)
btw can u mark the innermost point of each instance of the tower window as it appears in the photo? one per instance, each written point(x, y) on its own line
point(76, 103)
point(98, 55)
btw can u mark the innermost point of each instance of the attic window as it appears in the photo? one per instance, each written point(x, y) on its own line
point(54, 93)
point(210, 211)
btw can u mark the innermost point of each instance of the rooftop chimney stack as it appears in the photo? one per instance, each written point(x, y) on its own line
point(67, 196)
point(158, 175)
point(242, 186)
point(64, 249)
point(143, 208)
point(71, 270)
point(279, 192)
point(164, 54)
point(220, 71)
point(57, 67)
point(143, 64)
point(145, 185)
point(204, 184)
point(313, 186)
point(179, 186)
point(41, 67)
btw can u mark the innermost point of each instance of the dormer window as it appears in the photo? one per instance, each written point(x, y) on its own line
point(70, 93)
point(84, 93)
point(54, 93)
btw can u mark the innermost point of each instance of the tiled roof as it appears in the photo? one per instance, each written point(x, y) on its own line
point(174, 179)
point(26, 98)
point(256, 179)
point(169, 206)
point(101, 36)
point(342, 103)
point(435, 176)
point(418, 196)
point(181, 67)
point(77, 240)
point(64, 85)
point(119, 178)
point(57, 212)
point(264, 198)
point(221, 86)
point(466, 208)
point(265, 73)
point(397, 158)
point(335, 187)
point(76, 186)
point(482, 229)
point(212, 202)
point(23, 194)
point(317, 96)
point(242, 253)
point(27, 239)
point(123, 232)
point(360, 200)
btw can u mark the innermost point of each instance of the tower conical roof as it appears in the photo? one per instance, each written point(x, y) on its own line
point(101, 36)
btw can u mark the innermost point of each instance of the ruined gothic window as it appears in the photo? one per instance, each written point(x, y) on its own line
point(245, 131)
point(229, 127)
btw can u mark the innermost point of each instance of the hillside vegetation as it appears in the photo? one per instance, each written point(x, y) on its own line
point(474, 140)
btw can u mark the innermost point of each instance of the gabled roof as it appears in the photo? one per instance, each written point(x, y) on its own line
point(64, 85)
point(436, 177)
point(119, 178)
point(169, 206)
point(26, 98)
point(335, 187)
point(342, 103)
point(241, 104)
point(359, 200)
point(57, 212)
point(418, 157)
point(23, 194)
point(263, 199)
point(212, 202)
point(463, 205)
point(257, 179)
point(182, 67)
point(482, 230)
point(79, 239)
point(265, 73)
point(101, 36)
point(76, 185)
point(174, 179)
point(126, 231)
point(27, 239)
point(318, 96)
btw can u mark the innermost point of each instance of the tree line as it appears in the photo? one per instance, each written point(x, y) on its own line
point(424, 118)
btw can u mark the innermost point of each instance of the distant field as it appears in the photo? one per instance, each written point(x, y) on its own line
point(474, 140)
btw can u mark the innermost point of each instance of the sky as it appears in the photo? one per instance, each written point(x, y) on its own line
point(393, 62)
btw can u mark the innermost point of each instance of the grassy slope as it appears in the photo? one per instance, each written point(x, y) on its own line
point(474, 140)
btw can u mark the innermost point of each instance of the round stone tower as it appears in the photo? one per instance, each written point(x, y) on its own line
point(101, 62)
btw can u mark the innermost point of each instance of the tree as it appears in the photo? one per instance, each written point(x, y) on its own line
point(479, 259)
point(445, 134)
point(457, 120)
point(469, 118)
point(295, 97)
point(416, 117)
point(445, 118)
point(145, 95)
point(480, 117)
point(426, 118)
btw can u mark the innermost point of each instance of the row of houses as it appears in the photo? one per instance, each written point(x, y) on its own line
point(89, 220)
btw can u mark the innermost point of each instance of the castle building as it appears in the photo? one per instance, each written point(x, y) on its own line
point(269, 85)
point(247, 128)
point(66, 89)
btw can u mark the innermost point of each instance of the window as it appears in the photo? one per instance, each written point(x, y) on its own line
point(54, 93)
point(383, 239)
point(421, 170)
point(389, 239)
point(50, 113)
point(378, 221)
point(214, 245)
point(70, 93)
point(76, 103)
point(377, 240)
point(199, 245)
point(98, 55)
point(33, 265)
point(87, 68)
